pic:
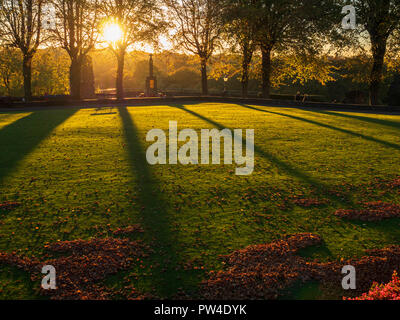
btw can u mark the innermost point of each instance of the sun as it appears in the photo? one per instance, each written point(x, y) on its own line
point(112, 32)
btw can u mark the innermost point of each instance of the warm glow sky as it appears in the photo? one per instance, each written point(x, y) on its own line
point(111, 33)
point(165, 44)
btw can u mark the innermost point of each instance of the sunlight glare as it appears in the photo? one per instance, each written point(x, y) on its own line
point(112, 32)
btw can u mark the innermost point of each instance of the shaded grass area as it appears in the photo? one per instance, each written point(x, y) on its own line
point(79, 176)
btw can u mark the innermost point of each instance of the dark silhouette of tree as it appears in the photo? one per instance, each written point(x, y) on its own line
point(199, 27)
point(139, 21)
point(380, 18)
point(76, 32)
point(394, 91)
point(21, 27)
point(289, 25)
point(241, 27)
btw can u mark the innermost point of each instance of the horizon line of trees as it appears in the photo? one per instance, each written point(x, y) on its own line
point(304, 32)
point(340, 79)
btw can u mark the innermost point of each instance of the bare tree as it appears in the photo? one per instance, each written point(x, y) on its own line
point(380, 18)
point(138, 21)
point(199, 27)
point(76, 32)
point(21, 27)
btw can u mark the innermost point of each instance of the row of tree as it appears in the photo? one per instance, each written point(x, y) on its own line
point(264, 28)
point(309, 27)
point(75, 25)
point(323, 79)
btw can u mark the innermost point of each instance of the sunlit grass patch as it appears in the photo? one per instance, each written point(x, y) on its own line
point(77, 175)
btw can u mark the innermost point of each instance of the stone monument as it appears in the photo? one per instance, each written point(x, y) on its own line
point(151, 81)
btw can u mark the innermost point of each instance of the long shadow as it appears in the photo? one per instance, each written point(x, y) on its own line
point(387, 123)
point(324, 125)
point(21, 137)
point(154, 211)
point(385, 227)
point(321, 188)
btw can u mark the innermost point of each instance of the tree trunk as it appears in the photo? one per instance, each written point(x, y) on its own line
point(378, 53)
point(120, 75)
point(266, 71)
point(245, 82)
point(247, 57)
point(75, 78)
point(27, 73)
point(204, 82)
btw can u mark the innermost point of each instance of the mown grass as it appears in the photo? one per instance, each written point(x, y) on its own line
point(79, 174)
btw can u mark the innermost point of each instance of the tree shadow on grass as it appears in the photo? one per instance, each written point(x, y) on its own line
point(387, 123)
point(324, 125)
point(320, 188)
point(20, 138)
point(154, 212)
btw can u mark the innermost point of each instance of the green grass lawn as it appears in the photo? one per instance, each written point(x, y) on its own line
point(78, 175)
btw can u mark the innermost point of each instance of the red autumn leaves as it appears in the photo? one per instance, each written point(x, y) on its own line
point(80, 273)
point(265, 271)
point(390, 291)
point(310, 202)
point(371, 211)
point(260, 271)
point(256, 272)
point(374, 211)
